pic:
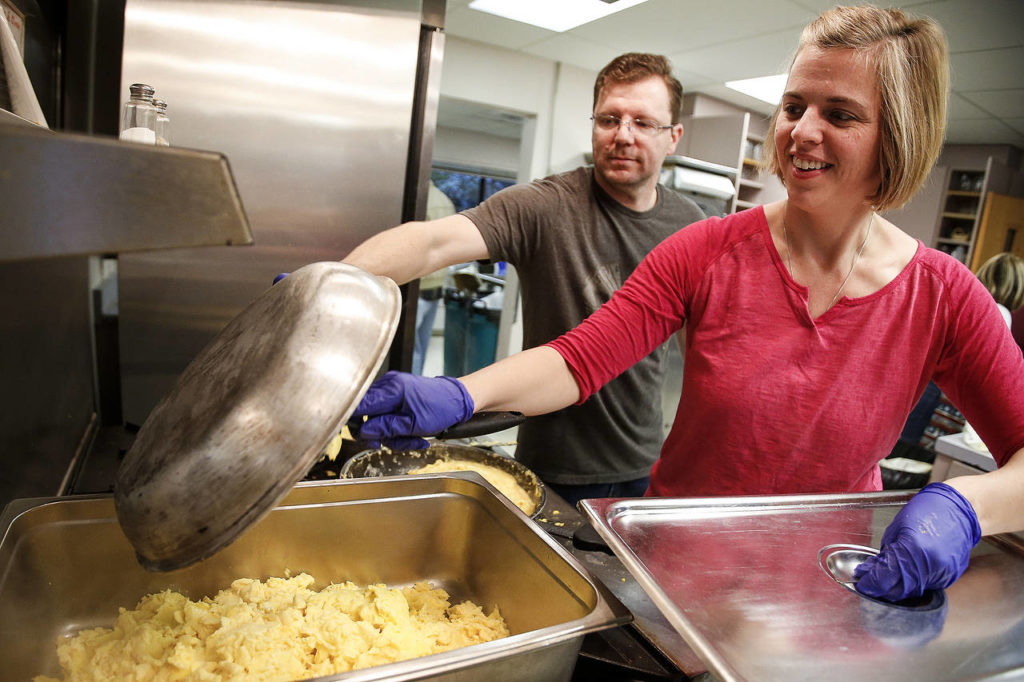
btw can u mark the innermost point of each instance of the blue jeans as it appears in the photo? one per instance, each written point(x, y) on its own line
point(574, 493)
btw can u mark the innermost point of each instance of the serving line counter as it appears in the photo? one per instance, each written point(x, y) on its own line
point(954, 457)
point(755, 585)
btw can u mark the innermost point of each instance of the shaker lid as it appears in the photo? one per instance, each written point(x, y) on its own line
point(141, 90)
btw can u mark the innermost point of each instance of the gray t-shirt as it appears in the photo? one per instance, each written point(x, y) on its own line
point(573, 246)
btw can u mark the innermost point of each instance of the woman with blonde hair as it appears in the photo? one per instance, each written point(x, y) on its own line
point(1003, 276)
point(812, 324)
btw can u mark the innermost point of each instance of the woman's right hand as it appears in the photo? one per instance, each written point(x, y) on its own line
point(401, 408)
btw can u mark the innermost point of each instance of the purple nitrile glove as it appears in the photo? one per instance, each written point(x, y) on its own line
point(927, 546)
point(279, 276)
point(401, 405)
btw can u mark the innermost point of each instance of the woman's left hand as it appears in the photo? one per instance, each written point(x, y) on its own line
point(927, 546)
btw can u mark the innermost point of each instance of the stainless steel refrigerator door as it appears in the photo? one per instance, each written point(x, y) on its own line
point(312, 104)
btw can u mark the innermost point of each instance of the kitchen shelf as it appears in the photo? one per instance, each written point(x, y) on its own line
point(734, 141)
point(960, 213)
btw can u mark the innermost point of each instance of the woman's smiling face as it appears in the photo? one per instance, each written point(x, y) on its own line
point(828, 131)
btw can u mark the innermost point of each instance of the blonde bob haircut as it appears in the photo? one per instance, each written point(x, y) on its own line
point(912, 62)
point(1003, 276)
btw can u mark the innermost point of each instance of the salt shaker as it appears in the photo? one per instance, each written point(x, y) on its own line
point(163, 124)
point(138, 119)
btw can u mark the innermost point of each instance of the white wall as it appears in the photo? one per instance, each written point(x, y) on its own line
point(919, 217)
point(507, 80)
point(570, 122)
point(478, 150)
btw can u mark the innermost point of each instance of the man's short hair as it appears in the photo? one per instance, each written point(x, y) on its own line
point(636, 66)
point(910, 56)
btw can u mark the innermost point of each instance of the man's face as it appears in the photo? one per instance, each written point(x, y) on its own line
point(627, 160)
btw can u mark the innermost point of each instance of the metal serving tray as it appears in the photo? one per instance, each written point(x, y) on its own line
point(755, 586)
point(65, 565)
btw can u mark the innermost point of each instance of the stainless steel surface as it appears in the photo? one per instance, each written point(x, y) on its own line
point(66, 194)
point(398, 462)
point(312, 103)
point(561, 520)
point(65, 565)
point(740, 580)
point(253, 411)
point(840, 561)
point(8, 118)
point(46, 407)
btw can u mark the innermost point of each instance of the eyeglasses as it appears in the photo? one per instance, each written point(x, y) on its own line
point(639, 126)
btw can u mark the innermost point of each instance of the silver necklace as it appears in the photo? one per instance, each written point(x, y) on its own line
point(856, 256)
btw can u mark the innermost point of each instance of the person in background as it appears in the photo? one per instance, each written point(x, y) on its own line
point(812, 324)
point(1003, 276)
point(574, 238)
point(1017, 326)
point(432, 285)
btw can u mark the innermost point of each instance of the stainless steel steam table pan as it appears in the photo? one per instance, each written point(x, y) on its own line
point(66, 565)
point(760, 588)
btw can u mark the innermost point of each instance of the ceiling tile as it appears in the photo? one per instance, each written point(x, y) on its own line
point(725, 62)
point(981, 131)
point(1001, 103)
point(1015, 122)
point(663, 26)
point(491, 29)
point(988, 69)
point(572, 50)
point(961, 107)
point(978, 24)
point(738, 98)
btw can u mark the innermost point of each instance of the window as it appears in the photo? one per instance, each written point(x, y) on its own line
point(466, 188)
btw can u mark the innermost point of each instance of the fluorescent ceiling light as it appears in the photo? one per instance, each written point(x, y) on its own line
point(767, 88)
point(554, 15)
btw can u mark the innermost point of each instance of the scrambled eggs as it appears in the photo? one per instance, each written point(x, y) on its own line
point(502, 480)
point(277, 630)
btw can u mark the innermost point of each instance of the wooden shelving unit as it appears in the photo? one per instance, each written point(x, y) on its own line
point(960, 212)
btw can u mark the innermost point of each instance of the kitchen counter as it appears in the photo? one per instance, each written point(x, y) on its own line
point(954, 446)
point(953, 457)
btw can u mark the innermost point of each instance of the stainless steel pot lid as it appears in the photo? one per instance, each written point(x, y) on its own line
point(760, 588)
point(253, 411)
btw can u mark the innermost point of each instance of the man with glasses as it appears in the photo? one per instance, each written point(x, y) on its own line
point(574, 238)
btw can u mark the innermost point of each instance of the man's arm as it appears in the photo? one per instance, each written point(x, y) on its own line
point(415, 249)
point(997, 497)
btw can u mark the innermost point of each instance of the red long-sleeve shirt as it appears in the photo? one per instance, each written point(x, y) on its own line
point(775, 402)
